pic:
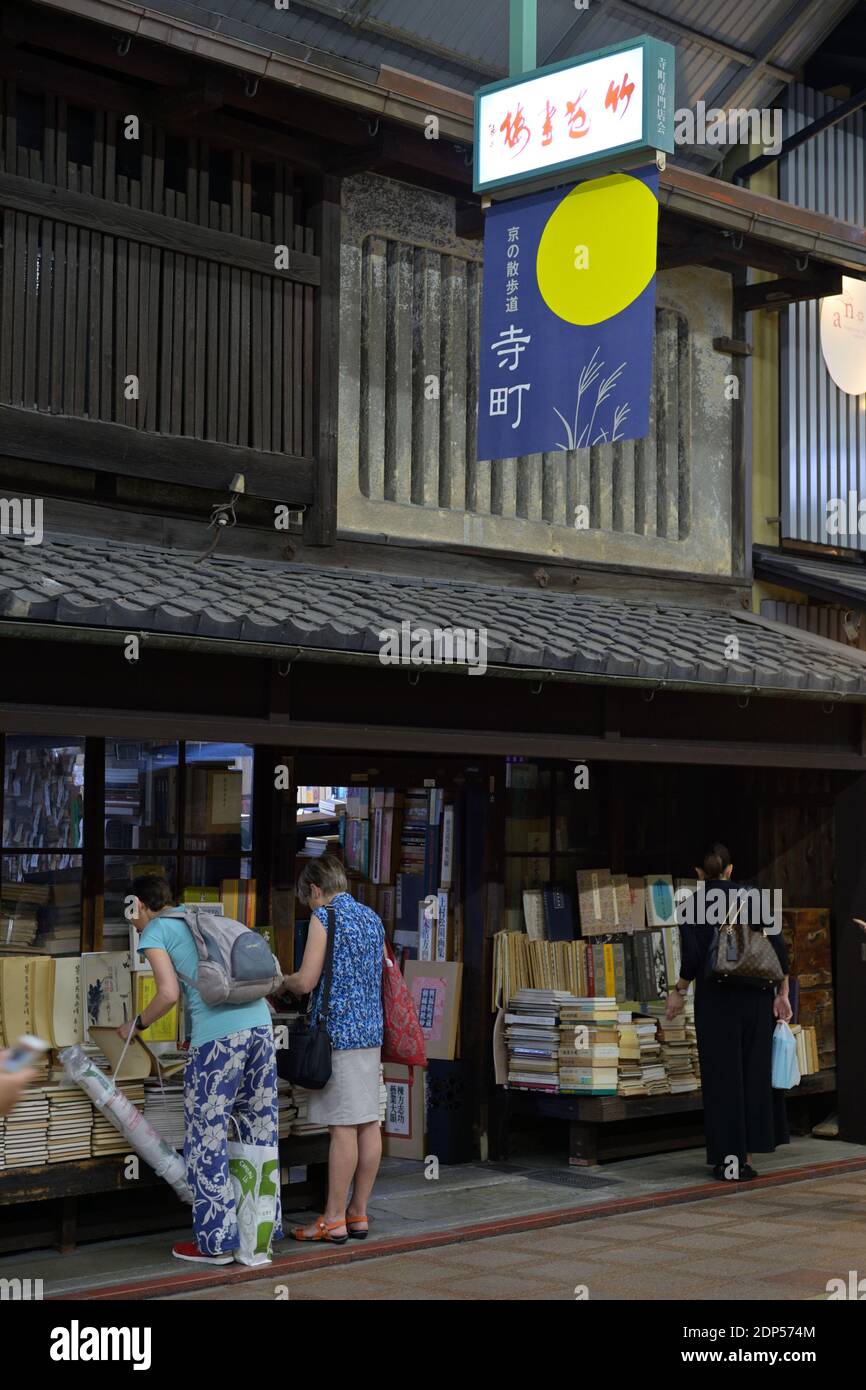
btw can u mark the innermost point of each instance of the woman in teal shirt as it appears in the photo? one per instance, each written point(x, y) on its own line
point(231, 1074)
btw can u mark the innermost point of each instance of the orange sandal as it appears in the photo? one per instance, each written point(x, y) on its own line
point(323, 1232)
point(352, 1222)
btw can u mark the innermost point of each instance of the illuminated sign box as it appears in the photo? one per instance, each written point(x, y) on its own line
point(609, 107)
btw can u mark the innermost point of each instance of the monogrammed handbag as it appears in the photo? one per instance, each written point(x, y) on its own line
point(739, 952)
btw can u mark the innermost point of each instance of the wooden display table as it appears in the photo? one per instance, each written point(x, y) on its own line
point(587, 1117)
point(62, 1184)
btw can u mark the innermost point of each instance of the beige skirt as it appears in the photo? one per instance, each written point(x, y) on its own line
point(351, 1097)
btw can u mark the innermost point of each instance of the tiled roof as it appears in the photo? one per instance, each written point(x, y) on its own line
point(90, 583)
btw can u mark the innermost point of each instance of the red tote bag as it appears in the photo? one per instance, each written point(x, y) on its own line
point(402, 1039)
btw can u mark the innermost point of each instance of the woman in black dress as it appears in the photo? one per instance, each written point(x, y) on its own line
point(734, 1023)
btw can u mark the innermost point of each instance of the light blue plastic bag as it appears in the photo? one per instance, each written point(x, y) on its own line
point(786, 1073)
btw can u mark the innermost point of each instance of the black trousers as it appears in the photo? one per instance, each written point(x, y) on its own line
point(742, 1113)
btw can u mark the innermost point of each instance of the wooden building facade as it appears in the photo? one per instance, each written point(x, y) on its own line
point(229, 292)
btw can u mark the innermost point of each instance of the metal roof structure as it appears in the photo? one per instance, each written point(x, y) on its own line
point(104, 590)
point(831, 580)
point(738, 54)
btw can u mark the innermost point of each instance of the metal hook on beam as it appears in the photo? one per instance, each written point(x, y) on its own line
point(251, 86)
point(124, 45)
point(536, 688)
point(373, 126)
point(413, 677)
point(803, 265)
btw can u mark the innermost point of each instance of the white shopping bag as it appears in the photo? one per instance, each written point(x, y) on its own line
point(255, 1174)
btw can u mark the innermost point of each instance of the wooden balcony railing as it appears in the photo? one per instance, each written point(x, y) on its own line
point(135, 342)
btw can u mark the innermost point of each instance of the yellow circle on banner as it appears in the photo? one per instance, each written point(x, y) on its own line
point(598, 250)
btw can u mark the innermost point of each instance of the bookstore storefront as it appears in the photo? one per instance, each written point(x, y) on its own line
point(505, 813)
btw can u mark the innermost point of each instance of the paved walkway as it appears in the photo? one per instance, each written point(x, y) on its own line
point(467, 1201)
point(779, 1244)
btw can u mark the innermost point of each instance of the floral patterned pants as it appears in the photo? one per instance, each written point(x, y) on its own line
point(230, 1092)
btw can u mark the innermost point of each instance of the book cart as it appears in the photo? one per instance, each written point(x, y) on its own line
point(566, 835)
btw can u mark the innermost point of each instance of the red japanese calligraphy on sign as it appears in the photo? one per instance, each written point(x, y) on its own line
point(615, 94)
point(516, 130)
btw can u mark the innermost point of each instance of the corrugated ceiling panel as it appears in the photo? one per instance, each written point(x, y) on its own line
point(477, 34)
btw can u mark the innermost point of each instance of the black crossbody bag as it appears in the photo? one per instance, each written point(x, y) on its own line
point(307, 1061)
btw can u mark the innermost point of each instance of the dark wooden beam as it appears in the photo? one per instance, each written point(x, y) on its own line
point(732, 347)
point(320, 521)
point(110, 448)
point(187, 102)
point(777, 294)
point(179, 109)
point(388, 738)
point(152, 228)
point(680, 244)
point(356, 160)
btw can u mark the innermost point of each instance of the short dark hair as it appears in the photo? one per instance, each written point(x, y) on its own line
point(154, 890)
point(326, 872)
point(716, 860)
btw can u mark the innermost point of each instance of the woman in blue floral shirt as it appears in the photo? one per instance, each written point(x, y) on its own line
point(349, 1104)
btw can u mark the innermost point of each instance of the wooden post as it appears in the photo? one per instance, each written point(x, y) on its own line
point(320, 520)
point(522, 36)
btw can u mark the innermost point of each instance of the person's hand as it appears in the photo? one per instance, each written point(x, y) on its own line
point(13, 1084)
point(126, 1030)
point(676, 1004)
point(782, 1008)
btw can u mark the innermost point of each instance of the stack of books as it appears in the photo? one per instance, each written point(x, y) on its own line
point(653, 1073)
point(163, 1109)
point(62, 935)
point(807, 1049)
point(532, 1038)
point(238, 897)
point(27, 1131)
point(357, 829)
point(70, 1123)
point(317, 845)
point(676, 1055)
point(629, 1080)
point(19, 907)
point(589, 1046)
point(286, 1109)
point(691, 1034)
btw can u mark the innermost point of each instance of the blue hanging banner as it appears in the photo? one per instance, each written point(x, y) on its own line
point(568, 316)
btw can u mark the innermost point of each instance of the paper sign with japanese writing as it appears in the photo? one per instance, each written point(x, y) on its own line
point(567, 317)
point(608, 105)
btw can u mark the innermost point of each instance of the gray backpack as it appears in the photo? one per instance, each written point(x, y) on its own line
point(235, 964)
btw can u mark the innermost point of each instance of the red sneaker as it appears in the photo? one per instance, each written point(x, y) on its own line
point(188, 1250)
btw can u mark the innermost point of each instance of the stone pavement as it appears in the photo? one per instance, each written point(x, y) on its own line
point(538, 1186)
point(776, 1245)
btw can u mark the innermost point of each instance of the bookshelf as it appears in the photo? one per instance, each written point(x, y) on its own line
point(551, 830)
